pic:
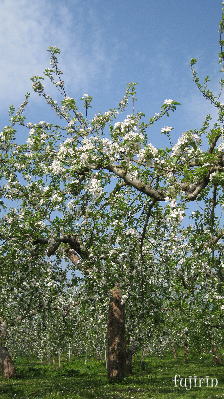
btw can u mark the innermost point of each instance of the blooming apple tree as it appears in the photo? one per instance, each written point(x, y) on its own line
point(92, 192)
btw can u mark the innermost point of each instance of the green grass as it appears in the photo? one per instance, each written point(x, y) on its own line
point(80, 380)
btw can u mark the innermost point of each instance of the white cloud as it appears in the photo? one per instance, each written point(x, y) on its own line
point(28, 28)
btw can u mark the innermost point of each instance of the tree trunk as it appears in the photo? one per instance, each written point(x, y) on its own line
point(217, 358)
point(131, 349)
point(3, 332)
point(186, 351)
point(116, 346)
point(174, 350)
point(6, 364)
point(128, 367)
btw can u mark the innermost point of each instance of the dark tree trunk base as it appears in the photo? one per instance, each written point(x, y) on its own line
point(6, 365)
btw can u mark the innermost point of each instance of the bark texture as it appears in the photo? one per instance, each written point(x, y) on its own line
point(116, 348)
point(6, 364)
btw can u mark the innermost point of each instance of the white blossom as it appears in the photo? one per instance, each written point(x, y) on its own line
point(133, 135)
point(168, 101)
point(56, 167)
point(166, 129)
point(124, 298)
point(184, 140)
point(131, 232)
point(95, 187)
point(221, 147)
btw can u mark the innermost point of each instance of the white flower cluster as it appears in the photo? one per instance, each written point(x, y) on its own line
point(6, 133)
point(176, 213)
point(31, 139)
point(86, 154)
point(56, 199)
point(95, 187)
point(148, 151)
point(166, 129)
point(60, 83)
point(113, 150)
point(124, 298)
point(100, 120)
point(185, 140)
point(56, 167)
point(43, 124)
point(71, 205)
point(127, 125)
point(132, 232)
point(85, 96)
point(11, 190)
point(66, 148)
point(89, 143)
point(221, 147)
point(68, 100)
point(168, 101)
point(123, 102)
point(133, 135)
point(212, 175)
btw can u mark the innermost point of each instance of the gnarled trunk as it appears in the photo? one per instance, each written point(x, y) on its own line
point(116, 348)
point(6, 364)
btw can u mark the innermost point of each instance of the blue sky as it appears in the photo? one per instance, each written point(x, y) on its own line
point(106, 44)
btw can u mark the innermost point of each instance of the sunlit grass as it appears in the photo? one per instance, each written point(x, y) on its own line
point(153, 379)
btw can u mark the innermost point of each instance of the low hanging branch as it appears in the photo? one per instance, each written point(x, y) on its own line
point(75, 251)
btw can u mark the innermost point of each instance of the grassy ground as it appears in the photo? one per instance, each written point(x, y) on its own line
point(77, 380)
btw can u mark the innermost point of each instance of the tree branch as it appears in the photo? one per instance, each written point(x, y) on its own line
point(54, 244)
point(158, 195)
